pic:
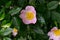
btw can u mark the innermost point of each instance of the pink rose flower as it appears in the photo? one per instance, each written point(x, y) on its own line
point(28, 15)
point(14, 32)
point(54, 34)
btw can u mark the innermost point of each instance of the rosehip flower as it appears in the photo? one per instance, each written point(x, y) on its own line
point(14, 32)
point(54, 34)
point(28, 15)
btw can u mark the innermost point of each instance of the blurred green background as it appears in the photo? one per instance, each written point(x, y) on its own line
point(48, 16)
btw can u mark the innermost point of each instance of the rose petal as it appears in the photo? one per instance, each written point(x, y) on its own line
point(34, 20)
point(22, 15)
point(31, 11)
point(30, 8)
point(26, 21)
point(29, 21)
point(23, 11)
point(14, 34)
point(54, 28)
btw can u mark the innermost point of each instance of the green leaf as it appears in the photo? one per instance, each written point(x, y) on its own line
point(56, 16)
point(52, 5)
point(41, 20)
point(2, 10)
point(56, 23)
point(39, 31)
point(41, 1)
point(5, 32)
point(5, 24)
point(16, 22)
point(2, 16)
point(6, 38)
point(14, 11)
point(21, 38)
point(22, 3)
point(8, 4)
point(32, 2)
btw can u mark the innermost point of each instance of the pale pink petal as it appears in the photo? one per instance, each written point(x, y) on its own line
point(59, 37)
point(29, 21)
point(54, 38)
point(26, 21)
point(34, 11)
point(23, 11)
point(50, 33)
point(34, 20)
point(30, 8)
point(14, 34)
point(31, 11)
point(54, 28)
point(22, 15)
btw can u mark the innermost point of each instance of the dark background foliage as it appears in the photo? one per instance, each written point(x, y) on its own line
point(48, 16)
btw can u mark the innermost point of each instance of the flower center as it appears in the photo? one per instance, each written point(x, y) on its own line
point(57, 32)
point(15, 30)
point(29, 15)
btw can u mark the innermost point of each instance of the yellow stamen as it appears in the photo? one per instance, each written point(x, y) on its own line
point(29, 15)
point(57, 32)
point(15, 30)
